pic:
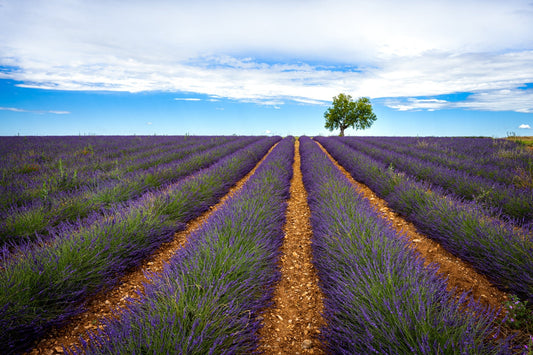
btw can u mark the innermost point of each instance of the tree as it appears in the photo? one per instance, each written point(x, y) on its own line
point(348, 113)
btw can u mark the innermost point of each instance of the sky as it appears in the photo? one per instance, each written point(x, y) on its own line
point(250, 67)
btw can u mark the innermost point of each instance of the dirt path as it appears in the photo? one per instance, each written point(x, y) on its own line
point(460, 274)
point(107, 304)
point(292, 324)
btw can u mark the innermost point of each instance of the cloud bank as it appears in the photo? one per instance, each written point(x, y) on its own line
point(277, 51)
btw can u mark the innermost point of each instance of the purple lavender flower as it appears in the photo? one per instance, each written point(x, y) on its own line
point(379, 297)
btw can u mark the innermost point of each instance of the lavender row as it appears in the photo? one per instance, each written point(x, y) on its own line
point(443, 151)
point(46, 151)
point(29, 162)
point(44, 286)
point(486, 152)
point(209, 297)
point(507, 201)
point(499, 251)
point(69, 170)
point(499, 162)
point(105, 173)
point(43, 216)
point(379, 297)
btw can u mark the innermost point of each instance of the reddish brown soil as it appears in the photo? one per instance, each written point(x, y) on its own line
point(294, 321)
point(110, 303)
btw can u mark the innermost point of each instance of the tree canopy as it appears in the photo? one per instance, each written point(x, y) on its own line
point(348, 113)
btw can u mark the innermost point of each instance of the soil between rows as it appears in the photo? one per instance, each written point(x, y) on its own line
point(292, 324)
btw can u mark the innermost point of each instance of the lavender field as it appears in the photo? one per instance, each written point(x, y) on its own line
point(79, 213)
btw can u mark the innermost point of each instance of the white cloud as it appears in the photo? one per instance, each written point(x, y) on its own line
point(187, 99)
point(524, 126)
point(501, 100)
point(310, 101)
point(16, 109)
point(418, 104)
point(264, 101)
point(261, 52)
point(517, 100)
point(149, 123)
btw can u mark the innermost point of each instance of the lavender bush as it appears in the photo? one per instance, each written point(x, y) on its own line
point(41, 286)
point(58, 164)
point(500, 251)
point(42, 215)
point(379, 298)
point(504, 199)
point(494, 159)
point(210, 294)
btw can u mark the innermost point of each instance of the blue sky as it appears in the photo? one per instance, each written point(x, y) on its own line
point(70, 67)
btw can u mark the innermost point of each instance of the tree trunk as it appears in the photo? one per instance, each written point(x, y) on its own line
point(342, 131)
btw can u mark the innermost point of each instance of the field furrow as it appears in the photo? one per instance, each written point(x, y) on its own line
point(292, 324)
